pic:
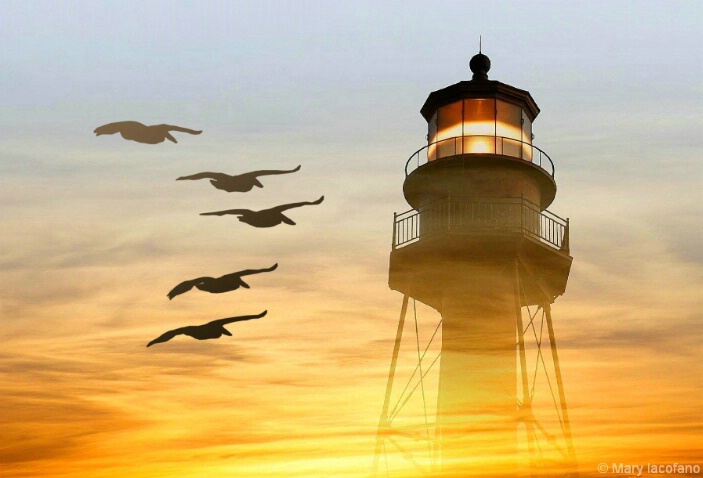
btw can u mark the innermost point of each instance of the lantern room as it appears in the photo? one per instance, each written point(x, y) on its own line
point(479, 144)
point(480, 117)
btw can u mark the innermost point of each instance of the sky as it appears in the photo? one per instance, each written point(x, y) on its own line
point(96, 231)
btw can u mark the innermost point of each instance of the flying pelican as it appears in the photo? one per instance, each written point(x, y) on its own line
point(217, 285)
point(142, 133)
point(266, 217)
point(239, 183)
point(211, 330)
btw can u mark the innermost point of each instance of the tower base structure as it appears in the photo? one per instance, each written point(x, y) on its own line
point(493, 305)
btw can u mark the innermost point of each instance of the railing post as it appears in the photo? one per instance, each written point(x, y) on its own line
point(565, 239)
point(395, 218)
point(522, 150)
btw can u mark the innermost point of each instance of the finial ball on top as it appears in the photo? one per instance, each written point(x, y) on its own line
point(480, 64)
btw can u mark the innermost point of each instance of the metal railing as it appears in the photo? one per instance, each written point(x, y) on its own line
point(467, 215)
point(479, 144)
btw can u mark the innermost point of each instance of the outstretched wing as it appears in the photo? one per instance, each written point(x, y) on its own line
point(247, 272)
point(206, 175)
point(296, 204)
point(268, 172)
point(229, 211)
point(170, 127)
point(112, 128)
point(166, 336)
point(229, 320)
point(185, 286)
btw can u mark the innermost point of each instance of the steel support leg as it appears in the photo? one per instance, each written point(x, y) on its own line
point(560, 386)
point(526, 411)
point(383, 421)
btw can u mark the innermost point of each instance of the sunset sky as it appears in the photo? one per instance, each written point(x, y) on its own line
point(96, 231)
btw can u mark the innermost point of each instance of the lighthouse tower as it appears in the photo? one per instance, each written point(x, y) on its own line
point(479, 247)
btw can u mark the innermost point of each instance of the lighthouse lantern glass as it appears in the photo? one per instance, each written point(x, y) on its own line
point(449, 125)
point(432, 137)
point(526, 137)
point(509, 128)
point(479, 126)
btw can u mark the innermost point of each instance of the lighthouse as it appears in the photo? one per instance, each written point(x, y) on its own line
point(479, 246)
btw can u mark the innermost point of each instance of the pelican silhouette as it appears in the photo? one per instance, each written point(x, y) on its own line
point(135, 131)
point(218, 285)
point(211, 330)
point(266, 217)
point(239, 183)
